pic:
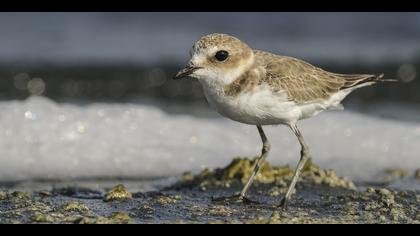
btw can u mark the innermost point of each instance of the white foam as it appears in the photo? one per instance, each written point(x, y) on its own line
point(42, 139)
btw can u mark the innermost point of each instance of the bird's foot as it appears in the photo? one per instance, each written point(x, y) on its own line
point(283, 203)
point(235, 199)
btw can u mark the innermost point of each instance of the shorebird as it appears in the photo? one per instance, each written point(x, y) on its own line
point(260, 88)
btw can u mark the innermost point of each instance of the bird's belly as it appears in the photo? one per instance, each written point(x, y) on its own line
point(257, 108)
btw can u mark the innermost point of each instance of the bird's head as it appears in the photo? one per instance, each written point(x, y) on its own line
point(217, 58)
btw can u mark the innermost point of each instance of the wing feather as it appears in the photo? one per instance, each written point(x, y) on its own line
point(304, 82)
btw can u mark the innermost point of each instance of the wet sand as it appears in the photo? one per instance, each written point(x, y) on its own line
point(322, 197)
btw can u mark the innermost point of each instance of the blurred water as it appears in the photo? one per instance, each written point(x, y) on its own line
point(157, 37)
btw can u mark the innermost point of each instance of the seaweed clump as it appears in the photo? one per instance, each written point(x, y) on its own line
point(22, 207)
point(3, 195)
point(240, 169)
point(417, 174)
point(75, 207)
point(118, 193)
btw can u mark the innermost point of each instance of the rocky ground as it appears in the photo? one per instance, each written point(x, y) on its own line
point(322, 197)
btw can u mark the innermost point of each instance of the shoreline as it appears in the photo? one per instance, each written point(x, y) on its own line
point(322, 197)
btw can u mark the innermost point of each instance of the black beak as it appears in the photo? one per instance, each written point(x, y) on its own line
point(188, 70)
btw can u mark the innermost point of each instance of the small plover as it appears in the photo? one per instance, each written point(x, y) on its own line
point(260, 88)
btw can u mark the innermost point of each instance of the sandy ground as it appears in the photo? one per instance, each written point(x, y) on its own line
point(322, 197)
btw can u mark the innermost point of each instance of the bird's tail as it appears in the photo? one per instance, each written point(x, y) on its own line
point(379, 78)
point(355, 81)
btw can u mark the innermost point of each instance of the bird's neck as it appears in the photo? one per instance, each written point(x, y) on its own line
point(217, 83)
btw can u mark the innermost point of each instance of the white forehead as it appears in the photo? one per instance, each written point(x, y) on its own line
point(199, 48)
point(200, 55)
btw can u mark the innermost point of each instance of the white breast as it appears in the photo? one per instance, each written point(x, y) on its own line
point(257, 107)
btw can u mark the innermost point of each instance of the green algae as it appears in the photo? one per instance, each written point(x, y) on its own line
point(417, 174)
point(120, 217)
point(397, 173)
point(240, 169)
point(391, 175)
point(164, 200)
point(114, 218)
point(118, 193)
point(380, 206)
point(24, 208)
point(75, 207)
point(3, 195)
point(19, 195)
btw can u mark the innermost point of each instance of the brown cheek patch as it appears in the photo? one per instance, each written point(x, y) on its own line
point(243, 83)
point(235, 60)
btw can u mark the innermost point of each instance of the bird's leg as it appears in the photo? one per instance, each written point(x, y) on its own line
point(260, 161)
point(305, 156)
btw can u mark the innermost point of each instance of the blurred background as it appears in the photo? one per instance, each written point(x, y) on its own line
point(89, 95)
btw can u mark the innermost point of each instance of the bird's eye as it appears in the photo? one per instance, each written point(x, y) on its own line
point(221, 55)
